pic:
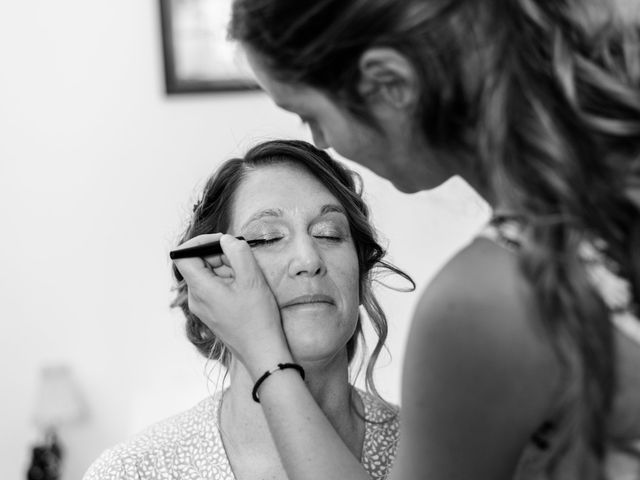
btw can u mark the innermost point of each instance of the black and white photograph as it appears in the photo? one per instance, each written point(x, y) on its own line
point(320, 239)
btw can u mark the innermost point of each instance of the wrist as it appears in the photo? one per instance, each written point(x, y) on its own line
point(266, 357)
point(278, 369)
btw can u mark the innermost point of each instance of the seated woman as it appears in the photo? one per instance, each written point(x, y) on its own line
point(319, 255)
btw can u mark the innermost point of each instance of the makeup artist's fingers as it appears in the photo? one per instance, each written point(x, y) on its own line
point(198, 273)
point(241, 260)
point(223, 270)
point(213, 261)
point(235, 301)
point(216, 262)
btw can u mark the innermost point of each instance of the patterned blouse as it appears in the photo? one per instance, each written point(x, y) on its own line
point(188, 446)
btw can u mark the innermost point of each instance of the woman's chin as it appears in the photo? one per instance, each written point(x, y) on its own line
point(313, 355)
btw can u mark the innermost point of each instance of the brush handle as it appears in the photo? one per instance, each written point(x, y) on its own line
point(204, 250)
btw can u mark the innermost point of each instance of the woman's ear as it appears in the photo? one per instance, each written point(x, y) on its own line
point(388, 76)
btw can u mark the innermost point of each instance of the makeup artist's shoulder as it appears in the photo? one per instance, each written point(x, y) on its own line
point(481, 292)
point(155, 449)
point(477, 355)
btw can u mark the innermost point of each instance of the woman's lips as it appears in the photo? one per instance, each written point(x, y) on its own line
point(308, 300)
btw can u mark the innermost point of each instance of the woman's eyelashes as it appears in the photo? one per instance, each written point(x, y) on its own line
point(329, 238)
point(267, 240)
point(264, 240)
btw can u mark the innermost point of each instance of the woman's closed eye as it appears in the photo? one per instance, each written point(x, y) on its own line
point(330, 238)
point(328, 233)
point(262, 242)
point(264, 239)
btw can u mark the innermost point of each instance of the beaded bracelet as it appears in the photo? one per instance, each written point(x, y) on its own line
point(265, 375)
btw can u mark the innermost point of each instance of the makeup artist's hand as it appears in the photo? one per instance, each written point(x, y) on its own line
point(231, 296)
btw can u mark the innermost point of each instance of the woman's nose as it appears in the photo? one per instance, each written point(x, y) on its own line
point(306, 259)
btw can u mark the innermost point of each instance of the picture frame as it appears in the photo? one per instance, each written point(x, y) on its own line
point(197, 56)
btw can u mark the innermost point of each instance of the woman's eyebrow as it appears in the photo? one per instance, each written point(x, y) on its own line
point(269, 212)
point(278, 213)
point(332, 208)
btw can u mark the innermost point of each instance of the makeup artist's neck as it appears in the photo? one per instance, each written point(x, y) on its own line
point(464, 162)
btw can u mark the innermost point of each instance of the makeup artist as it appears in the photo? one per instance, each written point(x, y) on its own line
point(522, 361)
point(312, 237)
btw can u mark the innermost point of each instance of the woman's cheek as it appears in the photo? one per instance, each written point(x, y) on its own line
point(348, 272)
point(272, 273)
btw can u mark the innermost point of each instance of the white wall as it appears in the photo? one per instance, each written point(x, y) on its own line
point(98, 169)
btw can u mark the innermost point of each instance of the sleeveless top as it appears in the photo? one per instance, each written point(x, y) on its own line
point(620, 463)
point(189, 446)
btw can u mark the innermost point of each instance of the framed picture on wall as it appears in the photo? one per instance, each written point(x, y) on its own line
point(197, 55)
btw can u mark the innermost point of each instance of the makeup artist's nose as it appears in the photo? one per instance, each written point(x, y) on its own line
point(305, 258)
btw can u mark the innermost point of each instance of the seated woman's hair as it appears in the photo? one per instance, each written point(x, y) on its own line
point(212, 214)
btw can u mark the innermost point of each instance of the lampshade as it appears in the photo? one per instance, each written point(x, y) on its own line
point(58, 400)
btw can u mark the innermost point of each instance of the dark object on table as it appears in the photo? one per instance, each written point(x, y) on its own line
point(46, 460)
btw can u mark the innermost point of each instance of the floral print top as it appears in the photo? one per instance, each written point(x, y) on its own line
point(188, 446)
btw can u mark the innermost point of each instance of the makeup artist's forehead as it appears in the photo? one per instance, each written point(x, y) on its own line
point(282, 190)
point(295, 98)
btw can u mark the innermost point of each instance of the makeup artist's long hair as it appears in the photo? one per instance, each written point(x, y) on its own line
point(212, 214)
point(544, 96)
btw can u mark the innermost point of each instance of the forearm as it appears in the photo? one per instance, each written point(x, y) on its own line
point(309, 446)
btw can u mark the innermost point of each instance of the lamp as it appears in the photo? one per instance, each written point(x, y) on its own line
point(58, 403)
